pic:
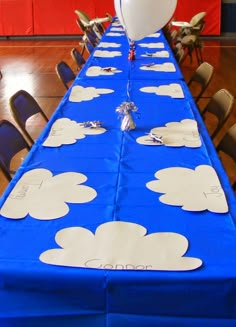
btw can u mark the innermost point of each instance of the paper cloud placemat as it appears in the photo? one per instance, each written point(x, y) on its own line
point(67, 131)
point(157, 54)
point(165, 67)
point(174, 134)
point(80, 93)
point(106, 54)
point(115, 34)
point(156, 45)
point(44, 196)
point(108, 45)
point(102, 71)
point(173, 90)
point(192, 189)
point(120, 245)
point(157, 35)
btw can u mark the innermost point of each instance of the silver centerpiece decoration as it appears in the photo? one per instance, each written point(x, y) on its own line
point(125, 113)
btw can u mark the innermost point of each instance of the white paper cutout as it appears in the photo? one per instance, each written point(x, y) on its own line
point(154, 35)
point(175, 134)
point(44, 196)
point(107, 54)
point(116, 24)
point(117, 29)
point(159, 45)
point(114, 34)
point(80, 93)
point(193, 190)
point(173, 90)
point(120, 245)
point(99, 71)
point(109, 45)
point(158, 54)
point(67, 131)
point(165, 67)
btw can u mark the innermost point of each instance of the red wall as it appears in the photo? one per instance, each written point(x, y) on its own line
point(48, 17)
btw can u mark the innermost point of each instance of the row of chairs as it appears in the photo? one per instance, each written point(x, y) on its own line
point(64, 71)
point(93, 30)
point(186, 40)
point(13, 141)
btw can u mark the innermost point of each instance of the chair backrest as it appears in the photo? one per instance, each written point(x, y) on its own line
point(197, 19)
point(65, 73)
point(11, 142)
point(88, 46)
point(220, 105)
point(91, 36)
point(77, 57)
point(80, 24)
point(202, 76)
point(23, 106)
point(228, 145)
point(83, 16)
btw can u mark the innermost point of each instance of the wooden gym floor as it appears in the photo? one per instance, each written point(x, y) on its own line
point(30, 65)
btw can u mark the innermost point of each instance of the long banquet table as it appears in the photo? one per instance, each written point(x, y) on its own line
point(115, 170)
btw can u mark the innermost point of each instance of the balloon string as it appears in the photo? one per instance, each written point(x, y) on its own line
point(129, 81)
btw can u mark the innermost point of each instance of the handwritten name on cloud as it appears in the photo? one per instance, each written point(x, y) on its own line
point(120, 245)
point(174, 90)
point(44, 196)
point(196, 189)
point(67, 131)
point(80, 93)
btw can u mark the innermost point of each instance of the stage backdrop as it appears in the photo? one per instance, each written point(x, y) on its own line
point(49, 17)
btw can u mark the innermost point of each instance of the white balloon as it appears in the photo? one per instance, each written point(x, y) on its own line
point(143, 17)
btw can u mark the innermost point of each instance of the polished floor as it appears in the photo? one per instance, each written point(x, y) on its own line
point(30, 65)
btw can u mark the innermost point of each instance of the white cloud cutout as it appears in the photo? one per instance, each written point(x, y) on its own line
point(193, 190)
point(107, 54)
point(120, 245)
point(173, 90)
point(175, 134)
point(114, 34)
point(159, 45)
point(80, 93)
point(165, 67)
point(99, 71)
point(44, 196)
point(116, 24)
point(154, 35)
point(117, 29)
point(157, 54)
point(109, 45)
point(67, 131)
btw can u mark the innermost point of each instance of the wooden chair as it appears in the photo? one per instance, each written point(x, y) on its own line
point(201, 77)
point(65, 73)
point(220, 105)
point(11, 143)
point(228, 146)
point(23, 106)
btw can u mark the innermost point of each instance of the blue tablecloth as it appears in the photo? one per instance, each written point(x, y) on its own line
point(33, 293)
